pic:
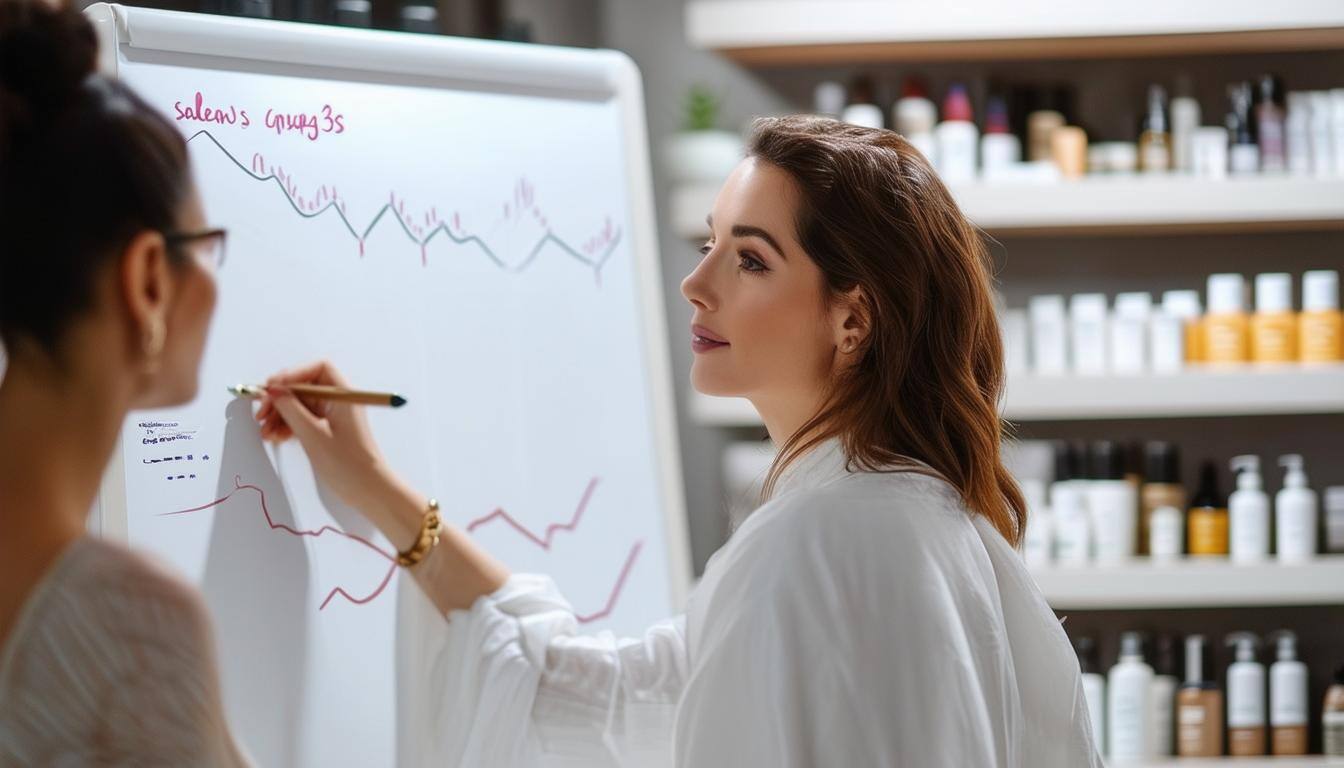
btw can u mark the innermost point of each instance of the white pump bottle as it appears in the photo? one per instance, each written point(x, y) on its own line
point(1295, 511)
point(1248, 513)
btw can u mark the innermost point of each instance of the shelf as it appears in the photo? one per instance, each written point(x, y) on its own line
point(1237, 392)
point(812, 32)
point(1193, 584)
point(1306, 761)
point(1114, 204)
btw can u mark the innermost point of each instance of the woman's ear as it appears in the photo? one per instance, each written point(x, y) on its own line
point(146, 287)
point(852, 319)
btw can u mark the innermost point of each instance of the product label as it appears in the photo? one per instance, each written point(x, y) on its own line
point(1191, 715)
point(1334, 733)
point(1208, 532)
point(1245, 702)
point(1126, 717)
point(1322, 338)
point(1226, 340)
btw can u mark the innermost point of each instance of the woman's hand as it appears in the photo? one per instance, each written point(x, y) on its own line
point(335, 436)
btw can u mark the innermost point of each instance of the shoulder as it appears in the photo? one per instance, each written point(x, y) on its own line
point(897, 511)
point(132, 599)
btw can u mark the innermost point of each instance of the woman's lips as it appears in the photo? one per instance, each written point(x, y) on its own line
point(705, 340)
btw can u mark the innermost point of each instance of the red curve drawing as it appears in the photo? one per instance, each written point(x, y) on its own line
point(544, 541)
point(240, 486)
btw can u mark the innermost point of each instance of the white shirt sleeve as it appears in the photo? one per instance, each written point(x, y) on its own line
point(511, 683)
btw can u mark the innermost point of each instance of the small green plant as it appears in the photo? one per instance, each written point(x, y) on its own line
point(702, 109)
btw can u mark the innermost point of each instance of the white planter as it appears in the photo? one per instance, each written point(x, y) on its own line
point(702, 156)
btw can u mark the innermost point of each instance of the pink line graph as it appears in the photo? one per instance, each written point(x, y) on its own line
point(239, 485)
point(543, 541)
point(547, 537)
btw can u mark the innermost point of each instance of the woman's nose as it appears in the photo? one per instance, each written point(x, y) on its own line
point(696, 287)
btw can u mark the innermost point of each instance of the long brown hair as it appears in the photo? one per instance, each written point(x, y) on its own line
point(926, 384)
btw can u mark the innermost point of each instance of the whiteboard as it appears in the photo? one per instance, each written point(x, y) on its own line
point(466, 223)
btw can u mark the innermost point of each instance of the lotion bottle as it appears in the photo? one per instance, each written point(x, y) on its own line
point(1295, 513)
point(1248, 513)
point(1287, 698)
point(1245, 698)
point(1127, 703)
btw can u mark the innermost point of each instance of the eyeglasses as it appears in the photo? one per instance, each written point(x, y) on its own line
point(211, 244)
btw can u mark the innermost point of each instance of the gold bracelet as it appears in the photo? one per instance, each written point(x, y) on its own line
point(430, 528)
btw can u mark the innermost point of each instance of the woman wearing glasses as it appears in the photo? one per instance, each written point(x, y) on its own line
point(106, 292)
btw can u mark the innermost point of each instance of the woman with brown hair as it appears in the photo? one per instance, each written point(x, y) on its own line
point(107, 288)
point(872, 611)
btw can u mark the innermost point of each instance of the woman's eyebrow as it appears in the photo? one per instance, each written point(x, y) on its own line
point(746, 230)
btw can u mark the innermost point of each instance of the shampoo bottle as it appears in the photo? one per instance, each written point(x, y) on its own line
point(1094, 689)
point(1248, 513)
point(956, 138)
point(1287, 698)
point(1295, 513)
point(1112, 504)
point(1274, 325)
point(1073, 530)
point(1162, 700)
point(1320, 331)
point(1199, 705)
point(1226, 331)
point(1245, 698)
point(1127, 703)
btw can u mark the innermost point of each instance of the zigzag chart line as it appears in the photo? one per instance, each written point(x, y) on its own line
point(609, 238)
point(543, 541)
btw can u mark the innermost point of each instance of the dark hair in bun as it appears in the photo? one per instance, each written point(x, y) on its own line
point(85, 165)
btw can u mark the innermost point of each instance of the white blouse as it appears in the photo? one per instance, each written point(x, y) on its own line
point(111, 663)
point(857, 618)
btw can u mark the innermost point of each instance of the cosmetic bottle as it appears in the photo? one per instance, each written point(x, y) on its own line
point(1128, 690)
point(1068, 505)
point(1226, 327)
point(1155, 138)
point(999, 148)
point(1162, 489)
point(1295, 514)
point(1207, 521)
point(1248, 513)
point(1094, 689)
point(1334, 520)
point(1270, 116)
point(1287, 698)
point(1320, 332)
point(1129, 333)
point(1320, 131)
point(1184, 121)
point(1162, 698)
point(862, 109)
point(956, 138)
point(1049, 335)
point(1199, 704)
point(915, 116)
point(1244, 153)
point(1274, 325)
point(1297, 133)
point(1186, 306)
point(1112, 504)
point(1087, 324)
point(1245, 698)
point(1332, 716)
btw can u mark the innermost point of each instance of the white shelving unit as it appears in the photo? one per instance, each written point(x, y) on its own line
point(1190, 583)
point(1238, 392)
point(1309, 761)
point(792, 32)
point(1114, 205)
